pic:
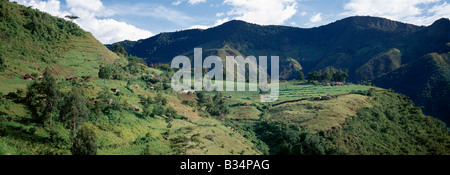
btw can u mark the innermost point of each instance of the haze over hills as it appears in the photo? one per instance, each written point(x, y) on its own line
point(369, 47)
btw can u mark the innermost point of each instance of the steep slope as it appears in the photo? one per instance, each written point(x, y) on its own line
point(31, 41)
point(426, 81)
point(369, 47)
point(379, 65)
point(346, 43)
point(434, 38)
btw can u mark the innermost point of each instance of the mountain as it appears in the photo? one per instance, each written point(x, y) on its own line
point(426, 80)
point(31, 41)
point(344, 43)
point(42, 54)
point(369, 47)
point(62, 92)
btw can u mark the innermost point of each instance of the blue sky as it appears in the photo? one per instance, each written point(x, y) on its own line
point(117, 20)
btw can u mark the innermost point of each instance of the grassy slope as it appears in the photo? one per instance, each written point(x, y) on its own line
point(320, 115)
point(82, 56)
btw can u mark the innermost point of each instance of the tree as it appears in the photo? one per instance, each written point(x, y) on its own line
point(337, 76)
point(202, 98)
point(182, 143)
point(327, 75)
point(43, 98)
point(105, 72)
point(345, 75)
point(74, 112)
point(2, 62)
point(84, 142)
point(147, 111)
point(218, 105)
point(171, 112)
point(52, 93)
point(158, 110)
point(301, 76)
point(71, 17)
point(119, 49)
point(159, 99)
point(314, 76)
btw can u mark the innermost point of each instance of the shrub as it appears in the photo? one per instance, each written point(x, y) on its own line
point(84, 142)
point(158, 110)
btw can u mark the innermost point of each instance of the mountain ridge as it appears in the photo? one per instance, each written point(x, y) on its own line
point(351, 43)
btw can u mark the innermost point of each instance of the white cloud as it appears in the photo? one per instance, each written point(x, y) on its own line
point(192, 2)
point(303, 14)
point(410, 11)
point(219, 14)
point(221, 21)
point(152, 10)
point(106, 31)
point(316, 18)
point(52, 7)
point(195, 1)
point(199, 27)
point(109, 30)
point(262, 11)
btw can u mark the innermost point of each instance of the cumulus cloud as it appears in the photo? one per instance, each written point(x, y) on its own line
point(420, 12)
point(316, 18)
point(52, 7)
point(262, 11)
point(90, 11)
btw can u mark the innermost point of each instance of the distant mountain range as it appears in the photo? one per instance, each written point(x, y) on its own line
point(372, 49)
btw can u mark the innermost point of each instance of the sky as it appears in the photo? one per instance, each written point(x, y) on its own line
point(111, 21)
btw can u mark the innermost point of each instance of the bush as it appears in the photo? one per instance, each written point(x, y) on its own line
point(84, 142)
point(158, 110)
point(12, 95)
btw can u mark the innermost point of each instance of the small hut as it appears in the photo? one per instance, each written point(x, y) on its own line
point(115, 90)
point(69, 78)
point(28, 77)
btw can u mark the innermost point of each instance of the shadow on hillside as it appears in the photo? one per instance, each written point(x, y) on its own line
point(22, 132)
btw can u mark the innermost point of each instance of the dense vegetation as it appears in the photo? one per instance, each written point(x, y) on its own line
point(430, 86)
point(392, 126)
point(368, 47)
point(62, 92)
point(327, 75)
point(32, 34)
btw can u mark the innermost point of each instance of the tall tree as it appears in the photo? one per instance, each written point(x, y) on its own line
point(84, 142)
point(74, 111)
point(218, 105)
point(301, 76)
point(327, 75)
point(181, 144)
point(201, 98)
point(42, 99)
point(52, 94)
point(314, 76)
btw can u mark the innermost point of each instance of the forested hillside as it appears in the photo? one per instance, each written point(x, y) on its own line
point(64, 93)
point(368, 47)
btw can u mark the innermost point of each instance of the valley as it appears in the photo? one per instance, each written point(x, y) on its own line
point(62, 92)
